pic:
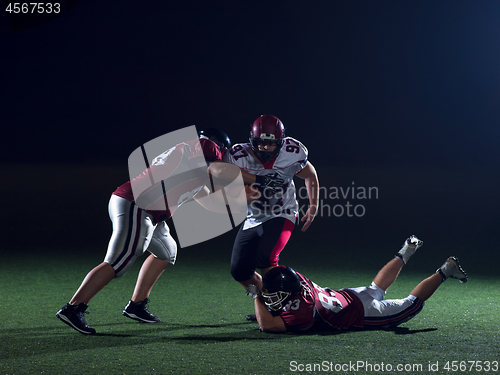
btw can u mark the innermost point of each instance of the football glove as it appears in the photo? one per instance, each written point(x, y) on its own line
point(253, 291)
point(270, 182)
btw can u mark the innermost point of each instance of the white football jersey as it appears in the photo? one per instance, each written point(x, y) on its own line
point(291, 160)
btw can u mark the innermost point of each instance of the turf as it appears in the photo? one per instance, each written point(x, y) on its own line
point(204, 330)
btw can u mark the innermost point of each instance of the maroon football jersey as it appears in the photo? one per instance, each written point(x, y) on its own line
point(320, 307)
point(171, 175)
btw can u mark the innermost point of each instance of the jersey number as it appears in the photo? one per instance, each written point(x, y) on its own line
point(238, 149)
point(292, 146)
point(330, 303)
point(292, 305)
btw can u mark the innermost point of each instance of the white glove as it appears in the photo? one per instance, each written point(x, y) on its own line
point(253, 291)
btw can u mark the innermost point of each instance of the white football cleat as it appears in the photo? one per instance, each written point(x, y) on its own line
point(411, 245)
point(451, 268)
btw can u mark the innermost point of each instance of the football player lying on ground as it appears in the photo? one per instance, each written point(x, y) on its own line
point(291, 302)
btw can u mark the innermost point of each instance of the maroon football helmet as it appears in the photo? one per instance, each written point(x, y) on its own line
point(267, 128)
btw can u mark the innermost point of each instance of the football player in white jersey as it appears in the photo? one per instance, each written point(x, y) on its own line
point(273, 215)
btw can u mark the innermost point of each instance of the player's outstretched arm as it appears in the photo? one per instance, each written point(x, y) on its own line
point(222, 170)
point(312, 185)
point(226, 171)
point(211, 202)
point(268, 322)
point(222, 176)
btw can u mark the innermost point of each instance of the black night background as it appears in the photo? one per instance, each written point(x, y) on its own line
point(402, 96)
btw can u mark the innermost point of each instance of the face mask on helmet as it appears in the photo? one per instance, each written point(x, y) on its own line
point(277, 300)
point(279, 286)
point(267, 129)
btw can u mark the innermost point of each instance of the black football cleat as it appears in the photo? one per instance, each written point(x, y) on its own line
point(251, 317)
point(72, 315)
point(139, 311)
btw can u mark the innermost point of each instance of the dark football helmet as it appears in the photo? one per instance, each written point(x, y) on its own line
point(279, 286)
point(217, 136)
point(267, 128)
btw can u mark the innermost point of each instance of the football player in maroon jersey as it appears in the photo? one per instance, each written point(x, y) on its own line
point(138, 228)
point(291, 302)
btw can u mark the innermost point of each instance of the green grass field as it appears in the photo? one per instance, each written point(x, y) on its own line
point(204, 330)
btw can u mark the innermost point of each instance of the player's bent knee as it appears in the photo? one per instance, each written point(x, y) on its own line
point(241, 274)
point(167, 259)
point(167, 254)
point(164, 249)
point(163, 245)
point(120, 268)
